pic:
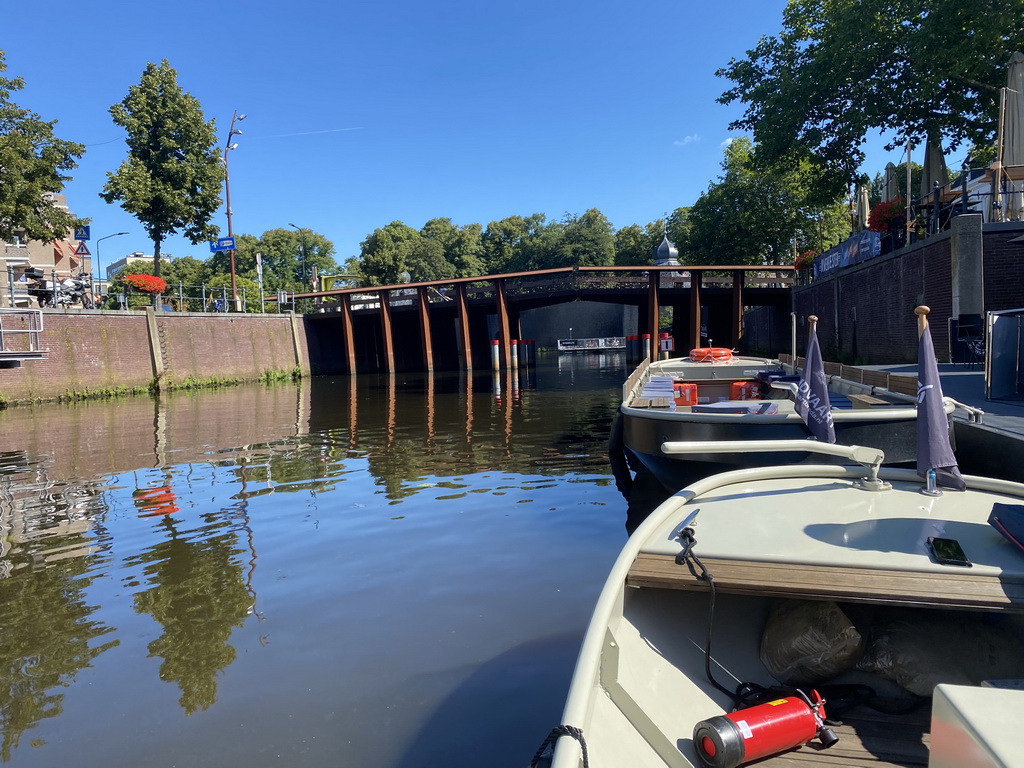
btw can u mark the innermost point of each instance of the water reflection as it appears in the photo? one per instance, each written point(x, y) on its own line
point(198, 595)
point(48, 638)
point(139, 524)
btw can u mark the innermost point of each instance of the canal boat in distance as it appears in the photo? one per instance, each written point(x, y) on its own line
point(713, 395)
point(820, 578)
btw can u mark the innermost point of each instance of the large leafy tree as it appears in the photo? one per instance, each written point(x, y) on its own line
point(462, 246)
point(840, 69)
point(509, 244)
point(33, 166)
point(172, 178)
point(635, 245)
point(586, 240)
point(389, 252)
point(752, 215)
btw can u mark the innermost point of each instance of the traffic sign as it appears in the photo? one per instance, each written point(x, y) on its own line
point(223, 244)
point(82, 233)
point(81, 250)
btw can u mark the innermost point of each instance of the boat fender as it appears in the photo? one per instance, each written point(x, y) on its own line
point(727, 741)
point(710, 354)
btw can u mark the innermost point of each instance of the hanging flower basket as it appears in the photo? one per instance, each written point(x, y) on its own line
point(888, 216)
point(146, 283)
point(805, 260)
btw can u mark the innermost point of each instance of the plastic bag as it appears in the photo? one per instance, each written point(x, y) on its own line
point(808, 641)
point(918, 649)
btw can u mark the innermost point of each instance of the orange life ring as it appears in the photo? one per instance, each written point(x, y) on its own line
point(710, 354)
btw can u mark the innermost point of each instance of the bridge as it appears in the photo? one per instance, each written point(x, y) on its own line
point(444, 324)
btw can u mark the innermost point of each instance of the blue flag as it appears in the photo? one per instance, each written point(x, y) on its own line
point(812, 395)
point(933, 449)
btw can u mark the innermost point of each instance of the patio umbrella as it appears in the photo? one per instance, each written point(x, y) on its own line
point(1013, 134)
point(934, 169)
point(863, 207)
point(891, 190)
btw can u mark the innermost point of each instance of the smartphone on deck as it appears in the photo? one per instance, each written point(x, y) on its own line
point(948, 552)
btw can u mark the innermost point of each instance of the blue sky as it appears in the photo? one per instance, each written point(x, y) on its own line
point(362, 113)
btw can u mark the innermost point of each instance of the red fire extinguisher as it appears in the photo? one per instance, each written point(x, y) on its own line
point(727, 741)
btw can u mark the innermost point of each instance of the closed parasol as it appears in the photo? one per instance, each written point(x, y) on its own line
point(891, 190)
point(934, 169)
point(863, 207)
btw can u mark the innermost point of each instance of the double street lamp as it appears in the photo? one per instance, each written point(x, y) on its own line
point(228, 146)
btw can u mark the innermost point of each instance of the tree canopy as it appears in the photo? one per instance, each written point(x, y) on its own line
point(33, 166)
point(753, 216)
point(842, 68)
point(171, 179)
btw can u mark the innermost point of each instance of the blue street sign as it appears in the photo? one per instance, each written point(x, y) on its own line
point(223, 244)
point(82, 233)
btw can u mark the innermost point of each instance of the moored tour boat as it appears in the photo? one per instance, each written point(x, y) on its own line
point(817, 576)
point(724, 397)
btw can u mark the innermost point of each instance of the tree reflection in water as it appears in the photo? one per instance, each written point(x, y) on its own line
point(45, 636)
point(198, 595)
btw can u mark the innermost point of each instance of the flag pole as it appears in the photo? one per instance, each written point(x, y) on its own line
point(922, 319)
point(812, 321)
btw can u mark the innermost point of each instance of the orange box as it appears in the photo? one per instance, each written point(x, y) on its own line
point(744, 390)
point(686, 393)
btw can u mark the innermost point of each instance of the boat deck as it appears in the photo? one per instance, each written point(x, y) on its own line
point(867, 738)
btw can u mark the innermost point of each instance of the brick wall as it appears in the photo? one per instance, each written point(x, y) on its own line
point(95, 350)
point(866, 312)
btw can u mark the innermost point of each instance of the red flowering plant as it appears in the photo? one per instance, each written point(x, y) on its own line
point(146, 283)
point(887, 216)
point(805, 260)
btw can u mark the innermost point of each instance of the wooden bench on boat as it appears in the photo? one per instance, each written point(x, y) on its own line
point(866, 401)
point(964, 590)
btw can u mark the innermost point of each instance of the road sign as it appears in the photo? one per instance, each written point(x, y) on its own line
point(82, 233)
point(81, 250)
point(223, 244)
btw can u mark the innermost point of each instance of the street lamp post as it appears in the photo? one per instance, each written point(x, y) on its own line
point(302, 240)
point(228, 146)
point(99, 264)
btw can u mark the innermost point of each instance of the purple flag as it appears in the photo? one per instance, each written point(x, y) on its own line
point(933, 449)
point(812, 395)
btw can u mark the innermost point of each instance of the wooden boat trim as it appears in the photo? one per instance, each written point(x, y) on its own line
point(967, 591)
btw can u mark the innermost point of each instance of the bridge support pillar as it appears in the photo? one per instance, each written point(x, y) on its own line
point(387, 338)
point(503, 324)
point(696, 277)
point(424, 312)
point(737, 308)
point(347, 334)
point(653, 310)
point(463, 307)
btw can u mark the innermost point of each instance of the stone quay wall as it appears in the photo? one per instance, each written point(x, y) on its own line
point(91, 351)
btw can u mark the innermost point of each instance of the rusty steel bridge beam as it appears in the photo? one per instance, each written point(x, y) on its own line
point(425, 339)
point(463, 309)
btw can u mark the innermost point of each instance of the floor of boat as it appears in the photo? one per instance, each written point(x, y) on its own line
point(658, 671)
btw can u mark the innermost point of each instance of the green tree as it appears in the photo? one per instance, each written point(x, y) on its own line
point(842, 68)
point(635, 245)
point(752, 216)
point(388, 252)
point(509, 244)
point(172, 177)
point(585, 240)
point(462, 246)
point(33, 166)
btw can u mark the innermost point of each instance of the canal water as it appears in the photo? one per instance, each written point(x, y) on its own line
point(378, 572)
